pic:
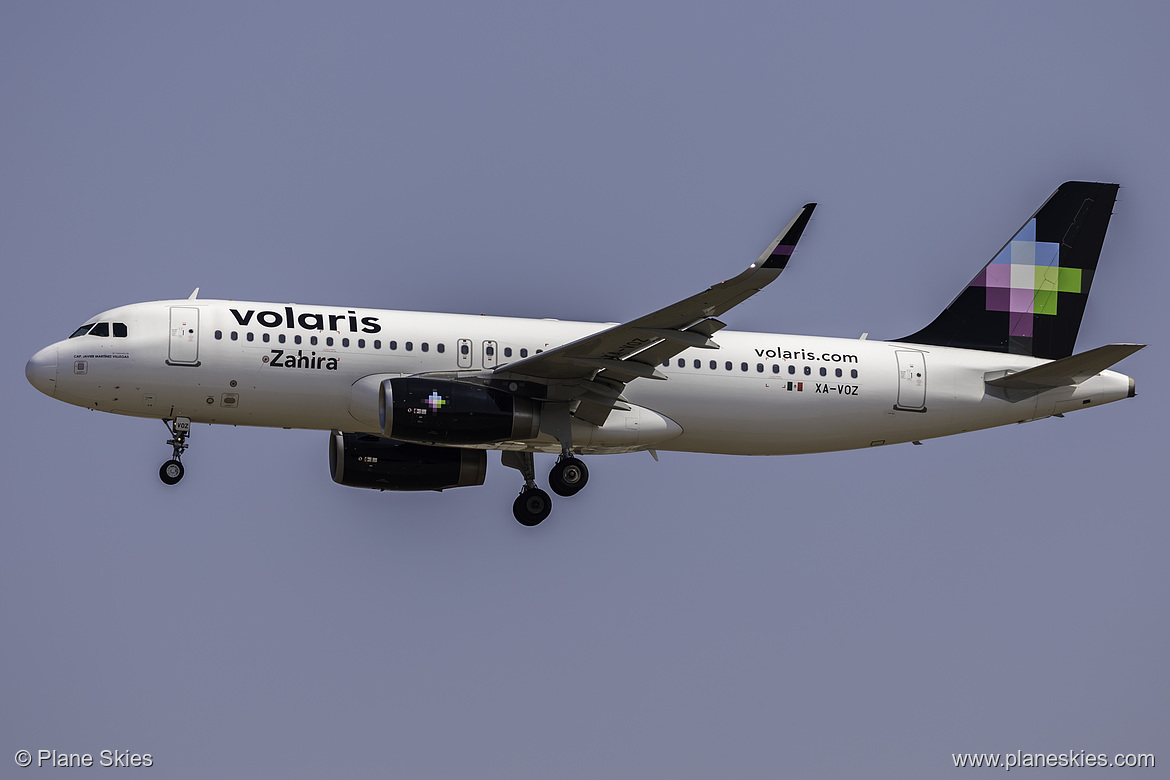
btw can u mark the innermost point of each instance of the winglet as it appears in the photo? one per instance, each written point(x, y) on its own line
point(778, 252)
point(193, 295)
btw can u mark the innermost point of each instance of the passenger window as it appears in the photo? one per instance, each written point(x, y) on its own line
point(81, 331)
point(681, 363)
point(250, 336)
point(791, 369)
point(313, 340)
point(838, 372)
point(218, 335)
point(727, 365)
point(119, 330)
point(440, 348)
point(377, 343)
point(329, 341)
point(280, 338)
point(775, 368)
point(297, 339)
point(345, 342)
point(743, 366)
point(464, 349)
point(490, 351)
point(714, 365)
point(853, 373)
point(361, 343)
point(394, 345)
point(759, 368)
point(524, 352)
point(409, 346)
point(101, 329)
point(807, 371)
point(698, 364)
point(507, 352)
point(426, 347)
point(824, 372)
point(235, 336)
point(264, 337)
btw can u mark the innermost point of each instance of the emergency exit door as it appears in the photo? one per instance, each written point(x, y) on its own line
point(463, 350)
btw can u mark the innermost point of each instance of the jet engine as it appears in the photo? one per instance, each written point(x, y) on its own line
point(446, 412)
point(368, 461)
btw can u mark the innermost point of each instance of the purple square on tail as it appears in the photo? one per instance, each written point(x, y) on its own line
point(1021, 325)
point(998, 299)
point(998, 276)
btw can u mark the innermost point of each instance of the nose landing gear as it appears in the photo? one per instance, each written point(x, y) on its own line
point(172, 471)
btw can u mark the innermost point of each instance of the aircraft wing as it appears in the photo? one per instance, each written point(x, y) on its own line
point(592, 371)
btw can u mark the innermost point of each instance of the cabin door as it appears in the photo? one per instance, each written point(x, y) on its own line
point(184, 350)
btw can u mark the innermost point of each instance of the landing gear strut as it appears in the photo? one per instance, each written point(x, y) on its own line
point(172, 471)
point(533, 505)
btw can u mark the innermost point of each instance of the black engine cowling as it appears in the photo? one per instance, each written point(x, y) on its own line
point(426, 410)
point(368, 461)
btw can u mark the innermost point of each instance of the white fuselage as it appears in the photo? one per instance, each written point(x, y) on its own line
point(246, 363)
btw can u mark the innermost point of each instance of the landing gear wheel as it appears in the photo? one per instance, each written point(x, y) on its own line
point(532, 506)
point(171, 472)
point(568, 476)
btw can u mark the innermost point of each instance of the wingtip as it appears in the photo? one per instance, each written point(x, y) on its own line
point(777, 255)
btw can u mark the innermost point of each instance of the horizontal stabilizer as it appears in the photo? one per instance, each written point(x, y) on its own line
point(1071, 370)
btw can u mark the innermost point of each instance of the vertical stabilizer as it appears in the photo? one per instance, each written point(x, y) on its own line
point(1030, 298)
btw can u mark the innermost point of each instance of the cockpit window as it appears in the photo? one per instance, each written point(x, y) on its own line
point(101, 329)
point(81, 331)
point(119, 330)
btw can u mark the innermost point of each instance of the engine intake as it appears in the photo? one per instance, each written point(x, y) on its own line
point(368, 461)
point(442, 411)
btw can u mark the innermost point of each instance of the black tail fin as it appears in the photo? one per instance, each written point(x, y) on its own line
point(1030, 298)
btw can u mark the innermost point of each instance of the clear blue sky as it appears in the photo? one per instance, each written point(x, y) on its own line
point(853, 614)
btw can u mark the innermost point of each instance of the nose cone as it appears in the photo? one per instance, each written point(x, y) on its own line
point(41, 370)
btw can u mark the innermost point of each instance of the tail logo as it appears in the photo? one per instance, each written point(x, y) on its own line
point(1025, 279)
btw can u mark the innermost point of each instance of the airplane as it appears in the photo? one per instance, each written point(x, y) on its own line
point(413, 400)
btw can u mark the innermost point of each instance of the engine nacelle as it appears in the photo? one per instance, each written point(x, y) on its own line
point(441, 411)
point(368, 461)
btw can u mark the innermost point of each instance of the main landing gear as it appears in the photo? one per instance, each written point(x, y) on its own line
point(172, 471)
point(568, 476)
point(533, 505)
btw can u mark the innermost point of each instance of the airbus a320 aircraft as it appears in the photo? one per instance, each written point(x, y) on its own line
point(414, 400)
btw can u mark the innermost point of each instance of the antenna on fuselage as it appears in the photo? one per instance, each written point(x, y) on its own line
point(193, 295)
